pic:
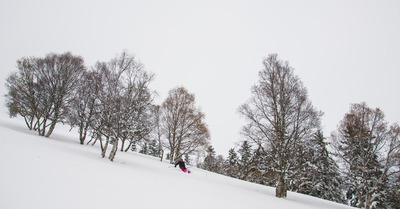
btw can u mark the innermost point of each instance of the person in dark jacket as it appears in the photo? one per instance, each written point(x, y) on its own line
point(181, 165)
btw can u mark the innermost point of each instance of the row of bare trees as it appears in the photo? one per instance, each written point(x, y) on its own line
point(113, 101)
point(110, 102)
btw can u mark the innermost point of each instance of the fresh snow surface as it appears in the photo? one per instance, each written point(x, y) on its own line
point(58, 172)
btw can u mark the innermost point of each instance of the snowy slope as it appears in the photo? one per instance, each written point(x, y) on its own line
point(59, 173)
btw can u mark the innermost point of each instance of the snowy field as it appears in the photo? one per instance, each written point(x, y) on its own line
point(55, 173)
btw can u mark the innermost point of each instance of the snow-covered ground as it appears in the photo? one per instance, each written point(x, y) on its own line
point(58, 172)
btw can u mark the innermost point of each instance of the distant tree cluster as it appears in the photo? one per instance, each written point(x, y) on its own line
point(110, 102)
point(284, 146)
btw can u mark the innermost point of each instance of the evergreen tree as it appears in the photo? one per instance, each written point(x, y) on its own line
point(210, 160)
point(232, 164)
point(144, 149)
point(134, 147)
point(244, 160)
point(220, 165)
point(368, 150)
point(257, 167)
point(320, 177)
point(153, 148)
point(187, 159)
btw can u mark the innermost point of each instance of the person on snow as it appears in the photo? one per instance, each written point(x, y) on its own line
point(182, 166)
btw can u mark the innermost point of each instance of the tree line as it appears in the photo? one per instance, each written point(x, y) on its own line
point(112, 104)
point(284, 146)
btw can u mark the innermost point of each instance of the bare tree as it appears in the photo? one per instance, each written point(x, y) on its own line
point(83, 103)
point(23, 92)
point(124, 102)
point(42, 90)
point(182, 124)
point(280, 116)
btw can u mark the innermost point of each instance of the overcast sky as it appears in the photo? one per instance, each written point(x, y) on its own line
point(343, 51)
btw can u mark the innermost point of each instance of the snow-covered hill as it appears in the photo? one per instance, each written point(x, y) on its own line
point(54, 173)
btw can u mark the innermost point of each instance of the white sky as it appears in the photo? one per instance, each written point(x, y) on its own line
point(344, 51)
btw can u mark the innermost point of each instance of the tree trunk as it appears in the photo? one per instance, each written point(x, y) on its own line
point(162, 155)
point(122, 145)
point(129, 145)
point(281, 189)
point(83, 132)
point(82, 136)
point(95, 140)
point(104, 149)
point(51, 129)
point(53, 124)
point(42, 130)
point(113, 150)
point(171, 155)
point(368, 200)
point(29, 122)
